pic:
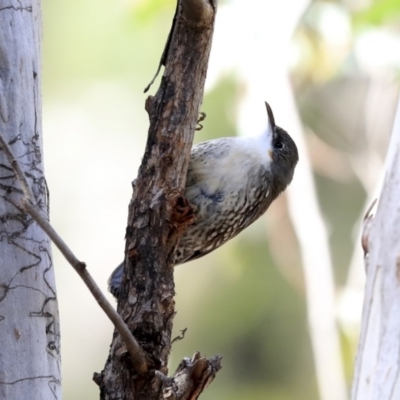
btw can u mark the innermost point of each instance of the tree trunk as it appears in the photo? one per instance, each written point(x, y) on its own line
point(157, 214)
point(29, 324)
point(377, 375)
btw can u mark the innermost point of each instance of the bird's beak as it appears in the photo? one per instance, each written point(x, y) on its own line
point(271, 119)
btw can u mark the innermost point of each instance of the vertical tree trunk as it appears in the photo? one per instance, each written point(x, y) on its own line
point(377, 374)
point(157, 214)
point(29, 324)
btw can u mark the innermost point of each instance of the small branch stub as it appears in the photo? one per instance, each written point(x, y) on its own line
point(366, 228)
point(198, 11)
point(191, 377)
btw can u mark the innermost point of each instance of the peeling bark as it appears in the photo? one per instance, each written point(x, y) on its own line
point(29, 323)
point(158, 213)
point(191, 378)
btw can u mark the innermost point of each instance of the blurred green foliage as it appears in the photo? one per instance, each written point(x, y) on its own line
point(380, 12)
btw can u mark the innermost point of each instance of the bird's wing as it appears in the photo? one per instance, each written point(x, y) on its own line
point(207, 158)
point(206, 174)
point(206, 192)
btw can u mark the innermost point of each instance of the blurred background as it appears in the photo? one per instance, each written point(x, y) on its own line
point(282, 301)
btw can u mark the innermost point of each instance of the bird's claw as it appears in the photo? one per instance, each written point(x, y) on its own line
point(202, 117)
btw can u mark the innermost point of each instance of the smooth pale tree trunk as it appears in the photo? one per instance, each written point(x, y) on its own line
point(377, 374)
point(29, 322)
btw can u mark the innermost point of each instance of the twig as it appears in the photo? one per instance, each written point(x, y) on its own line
point(164, 55)
point(179, 337)
point(138, 359)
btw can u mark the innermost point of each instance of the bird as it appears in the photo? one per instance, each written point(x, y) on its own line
point(230, 183)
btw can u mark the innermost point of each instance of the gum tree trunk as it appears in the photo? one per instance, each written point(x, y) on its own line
point(377, 372)
point(29, 323)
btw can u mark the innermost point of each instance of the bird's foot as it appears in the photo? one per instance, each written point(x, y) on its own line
point(202, 117)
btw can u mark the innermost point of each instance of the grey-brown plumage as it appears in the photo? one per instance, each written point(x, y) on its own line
point(230, 183)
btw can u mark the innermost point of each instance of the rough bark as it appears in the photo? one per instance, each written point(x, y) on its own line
point(377, 373)
point(29, 324)
point(158, 213)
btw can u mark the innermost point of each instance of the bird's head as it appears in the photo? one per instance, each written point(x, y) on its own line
point(283, 153)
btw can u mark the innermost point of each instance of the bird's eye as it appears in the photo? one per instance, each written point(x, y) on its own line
point(279, 145)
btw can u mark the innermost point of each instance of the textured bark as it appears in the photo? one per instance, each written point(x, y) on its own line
point(157, 215)
point(29, 324)
point(377, 372)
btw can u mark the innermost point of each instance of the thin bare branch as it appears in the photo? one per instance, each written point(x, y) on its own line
point(138, 359)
